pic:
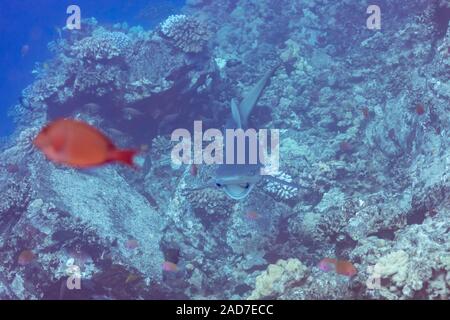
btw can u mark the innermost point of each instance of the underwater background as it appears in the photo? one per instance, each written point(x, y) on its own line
point(360, 209)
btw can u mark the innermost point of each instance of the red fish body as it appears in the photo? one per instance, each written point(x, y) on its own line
point(252, 215)
point(420, 109)
point(26, 257)
point(341, 267)
point(366, 112)
point(169, 266)
point(345, 268)
point(78, 144)
point(194, 170)
point(346, 147)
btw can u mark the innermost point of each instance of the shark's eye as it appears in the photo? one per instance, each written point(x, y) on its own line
point(245, 186)
point(219, 185)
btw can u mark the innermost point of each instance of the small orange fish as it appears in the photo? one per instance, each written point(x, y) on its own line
point(78, 144)
point(169, 266)
point(132, 244)
point(194, 170)
point(345, 268)
point(420, 109)
point(12, 168)
point(366, 112)
point(252, 215)
point(26, 257)
point(345, 146)
point(342, 267)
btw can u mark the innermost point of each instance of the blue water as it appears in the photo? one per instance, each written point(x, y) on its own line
point(34, 23)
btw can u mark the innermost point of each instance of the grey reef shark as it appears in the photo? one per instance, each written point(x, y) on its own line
point(238, 180)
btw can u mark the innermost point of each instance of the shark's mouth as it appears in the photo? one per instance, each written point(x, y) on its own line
point(236, 191)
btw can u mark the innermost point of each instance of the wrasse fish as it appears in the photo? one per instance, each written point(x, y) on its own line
point(169, 266)
point(252, 215)
point(420, 109)
point(193, 170)
point(26, 257)
point(345, 147)
point(327, 264)
point(78, 144)
point(345, 268)
point(366, 112)
point(342, 267)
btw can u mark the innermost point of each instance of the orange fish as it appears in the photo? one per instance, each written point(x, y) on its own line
point(78, 144)
point(194, 170)
point(345, 146)
point(420, 109)
point(12, 168)
point(26, 257)
point(342, 267)
point(252, 215)
point(345, 268)
point(366, 112)
point(169, 266)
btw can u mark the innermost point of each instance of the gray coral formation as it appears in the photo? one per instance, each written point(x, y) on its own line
point(186, 33)
point(102, 45)
point(364, 134)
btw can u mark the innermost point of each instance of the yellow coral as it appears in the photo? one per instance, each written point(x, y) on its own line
point(277, 277)
point(393, 265)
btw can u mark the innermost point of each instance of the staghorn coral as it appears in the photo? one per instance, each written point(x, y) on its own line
point(277, 278)
point(186, 33)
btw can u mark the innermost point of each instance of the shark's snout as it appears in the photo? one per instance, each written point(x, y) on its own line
point(237, 192)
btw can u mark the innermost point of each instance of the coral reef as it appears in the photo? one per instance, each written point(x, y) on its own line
point(102, 45)
point(364, 154)
point(186, 33)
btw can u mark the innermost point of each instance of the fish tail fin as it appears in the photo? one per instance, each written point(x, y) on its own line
point(124, 156)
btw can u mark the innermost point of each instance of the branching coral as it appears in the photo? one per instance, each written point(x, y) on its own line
point(186, 33)
point(102, 45)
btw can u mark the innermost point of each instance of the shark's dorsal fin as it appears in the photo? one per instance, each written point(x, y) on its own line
point(236, 114)
point(252, 97)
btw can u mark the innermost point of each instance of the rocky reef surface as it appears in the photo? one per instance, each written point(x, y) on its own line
point(364, 132)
